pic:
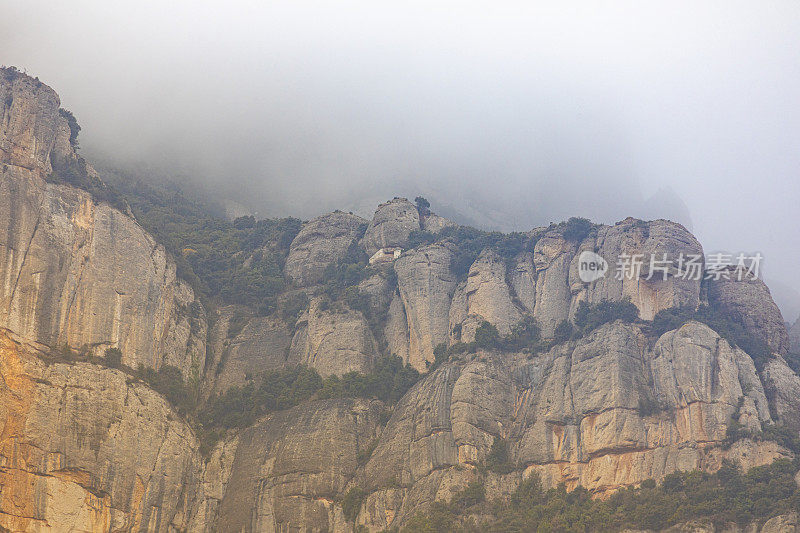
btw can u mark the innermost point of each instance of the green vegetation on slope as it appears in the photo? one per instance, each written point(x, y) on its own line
point(727, 496)
point(726, 326)
point(278, 389)
point(239, 262)
point(589, 317)
point(240, 407)
point(388, 381)
point(74, 172)
point(284, 388)
point(74, 128)
point(526, 336)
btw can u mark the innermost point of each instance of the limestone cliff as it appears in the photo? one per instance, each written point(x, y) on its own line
point(76, 271)
point(603, 412)
point(83, 448)
point(391, 226)
point(242, 345)
point(321, 243)
point(333, 340)
point(794, 337)
point(290, 470)
point(426, 285)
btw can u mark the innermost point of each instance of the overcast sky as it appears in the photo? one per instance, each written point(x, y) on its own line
point(509, 114)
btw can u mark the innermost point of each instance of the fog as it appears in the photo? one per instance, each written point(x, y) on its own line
point(504, 115)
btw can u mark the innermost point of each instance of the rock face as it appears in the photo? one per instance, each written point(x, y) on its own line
point(783, 386)
point(392, 224)
point(396, 330)
point(522, 279)
point(79, 272)
point(378, 289)
point(434, 223)
point(602, 412)
point(749, 301)
point(333, 340)
point(486, 297)
point(426, 285)
point(787, 523)
point(211, 490)
point(559, 289)
point(794, 337)
point(245, 346)
point(552, 256)
point(663, 240)
point(321, 243)
point(31, 128)
point(84, 449)
point(289, 470)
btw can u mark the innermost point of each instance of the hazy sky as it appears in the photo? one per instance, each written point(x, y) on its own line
point(510, 114)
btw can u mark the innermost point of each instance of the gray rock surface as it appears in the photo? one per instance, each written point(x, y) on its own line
point(396, 330)
point(391, 225)
point(551, 258)
point(291, 469)
point(212, 486)
point(31, 128)
point(379, 289)
point(426, 286)
point(333, 339)
point(788, 523)
point(522, 279)
point(488, 296)
point(434, 223)
point(661, 239)
point(783, 386)
point(245, 346)
point(750, 302)
point(794, 337)
point(321, 243)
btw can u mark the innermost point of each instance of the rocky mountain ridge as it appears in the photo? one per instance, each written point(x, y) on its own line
point(86, 447)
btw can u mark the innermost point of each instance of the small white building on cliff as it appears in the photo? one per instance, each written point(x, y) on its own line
point(385, 255)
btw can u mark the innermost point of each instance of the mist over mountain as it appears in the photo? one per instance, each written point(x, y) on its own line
point(505, 117)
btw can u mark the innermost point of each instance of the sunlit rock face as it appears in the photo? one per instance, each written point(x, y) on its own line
point(82, 448)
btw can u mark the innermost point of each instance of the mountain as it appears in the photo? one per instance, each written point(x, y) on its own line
point(163, 369)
